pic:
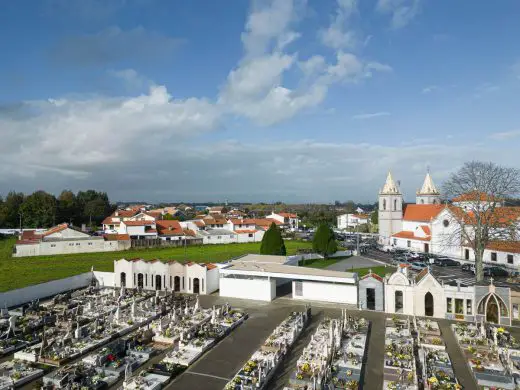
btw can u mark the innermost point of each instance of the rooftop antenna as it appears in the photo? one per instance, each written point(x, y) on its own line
point(427, 169)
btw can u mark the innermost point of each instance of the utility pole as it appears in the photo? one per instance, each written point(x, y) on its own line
point(357, 240)
point(20, 214)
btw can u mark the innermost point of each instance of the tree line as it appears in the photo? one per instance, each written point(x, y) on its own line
point(42, 210)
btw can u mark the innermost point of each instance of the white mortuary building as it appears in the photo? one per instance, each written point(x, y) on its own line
point(429, 226)
point(195, 278)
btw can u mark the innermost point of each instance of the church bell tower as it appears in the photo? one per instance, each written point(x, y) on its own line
point(428, 194)
point(390, 210)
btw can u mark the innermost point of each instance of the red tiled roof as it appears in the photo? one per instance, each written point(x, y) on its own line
point(475, 196)
point(245, 221)
point(245, 231)
point(422, 212)
point(505, 246)
point(139, 223)
point(288, 215)
point(116, 237)
point(125, 213)
point(410, 236)
point(426, 230)
point(404, 265)
point(199, 223)
point(210, 266)
point(266, 222)
point(154, 214)
point(372, 275)
point(55, 229)
point(169, 228)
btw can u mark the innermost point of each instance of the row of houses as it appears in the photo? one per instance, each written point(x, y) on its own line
point(212, 228)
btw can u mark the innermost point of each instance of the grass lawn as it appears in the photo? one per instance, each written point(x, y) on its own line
point(16, 272)
point(381, 271)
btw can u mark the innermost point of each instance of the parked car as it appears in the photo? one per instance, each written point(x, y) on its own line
point(417, 266)
point(468, 267)
point(446, 262)
point(495, 271)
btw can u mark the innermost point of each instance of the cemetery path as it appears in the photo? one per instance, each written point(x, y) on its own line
point(373, 378)
point(281, 377)
point(461, 369)
point(220, 364)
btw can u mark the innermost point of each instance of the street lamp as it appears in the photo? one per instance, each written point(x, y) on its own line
point(20, 214)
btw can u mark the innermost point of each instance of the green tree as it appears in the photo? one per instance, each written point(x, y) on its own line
point(374, 218)
point(39, 210)
point(12, 205)
point(272, 242)
point(324, 242)
point(67, 208)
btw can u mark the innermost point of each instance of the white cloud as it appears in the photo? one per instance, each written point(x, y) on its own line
point(337, 35)
point(131, 78)
point(401, 11)
point(430, 89)
point(370, 116)
point(502, 136)
point(71, 134)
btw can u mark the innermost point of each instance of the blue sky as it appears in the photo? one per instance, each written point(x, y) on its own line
point(287, 100)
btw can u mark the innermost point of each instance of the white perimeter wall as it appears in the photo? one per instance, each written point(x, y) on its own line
point(328, 292)
point(105, 279)
point(43, 290)
point(257, 289)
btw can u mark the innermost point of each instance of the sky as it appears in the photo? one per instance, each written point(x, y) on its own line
point(268, 100)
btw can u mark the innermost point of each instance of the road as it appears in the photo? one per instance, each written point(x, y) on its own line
point(354, 262)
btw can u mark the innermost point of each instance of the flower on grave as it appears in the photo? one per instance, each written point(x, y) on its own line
point(237, 380)
point(471, 349)
point(348, 373)
point(391, 385)
point(409, 376)
point(436, 341)
point(501, 330)
point(432, 380)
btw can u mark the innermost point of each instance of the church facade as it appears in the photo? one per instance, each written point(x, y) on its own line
point(430, 226)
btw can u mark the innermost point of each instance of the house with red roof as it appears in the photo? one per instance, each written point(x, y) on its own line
point(288, 220)
point(66, 239)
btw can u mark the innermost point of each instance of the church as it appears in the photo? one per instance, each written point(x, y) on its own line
point(429, 226)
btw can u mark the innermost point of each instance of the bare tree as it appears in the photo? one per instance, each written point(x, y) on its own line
point(480, 190)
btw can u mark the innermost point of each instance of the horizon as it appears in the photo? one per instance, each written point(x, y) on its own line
point(297, 101)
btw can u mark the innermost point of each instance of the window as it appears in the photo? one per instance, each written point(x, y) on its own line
point(251, 235)
point(459, 306)
point(422, 201)
point(408, 243)
point(515, 311)
point(189, 283)
point(134, 280)
point(398, 301)
point(395, 204)
point(219, 237)
point(509, 259)
point(469, 307)
point(384, 204)
point(493, 256)
point(170, 281)
point(151, 280)
point(146, 279)
point(183, 282)
point(395, 241)
point(90, 243)
point(446, 223)
point(202, 284)
point(53, 245)
point(466, 254)
point(449, 308)
point(78, 244)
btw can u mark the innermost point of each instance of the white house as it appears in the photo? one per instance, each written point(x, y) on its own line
point(196, 278)
point(289, 220)
point(345, 221)
point(140, 229)
point(63, 239)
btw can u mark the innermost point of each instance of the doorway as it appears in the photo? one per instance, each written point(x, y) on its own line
point(466, 254)
point(123, 279)
point(398, 301)
point(140, 280)
point(492, 312)
point(196, 288)
point(428, 304)
point(426, 248)
point(371, 298)
point(177, 283)
point(158, 282)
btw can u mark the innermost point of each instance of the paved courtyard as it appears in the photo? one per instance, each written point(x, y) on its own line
point(215, 368)
point(355, 262)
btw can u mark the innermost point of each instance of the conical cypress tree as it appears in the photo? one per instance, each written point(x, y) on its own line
point(324, 242)
point(272, 242)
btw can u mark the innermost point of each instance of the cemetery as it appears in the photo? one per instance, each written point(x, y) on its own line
point(260, 368)
point(490, 352)
point(334, 357)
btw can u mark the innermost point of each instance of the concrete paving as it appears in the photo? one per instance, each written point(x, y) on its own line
point(354, 262)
